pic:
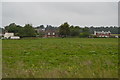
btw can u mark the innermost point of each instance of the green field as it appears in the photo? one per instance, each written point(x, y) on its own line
point(60, 58)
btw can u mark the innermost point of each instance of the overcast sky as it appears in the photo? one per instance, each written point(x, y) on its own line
point(0, 14)
point(56, 13)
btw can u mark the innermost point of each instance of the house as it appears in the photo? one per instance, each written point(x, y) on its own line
point(39, 30)
point(10, 36)
point(47, 32)
point(102, 33)
point(51, 34)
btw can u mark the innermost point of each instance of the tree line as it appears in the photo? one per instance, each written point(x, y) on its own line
point(26, 31)
point(64, 30)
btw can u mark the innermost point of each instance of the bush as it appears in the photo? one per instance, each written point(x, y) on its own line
point(84, 34)
point(94, 36)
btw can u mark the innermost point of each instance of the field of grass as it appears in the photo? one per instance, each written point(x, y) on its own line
point(60, 58)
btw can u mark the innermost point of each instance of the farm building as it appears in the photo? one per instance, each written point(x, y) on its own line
point(102, 33)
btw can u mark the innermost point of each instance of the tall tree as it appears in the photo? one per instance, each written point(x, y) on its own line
point(29, 31)
point(64, 30)
point(13, 28)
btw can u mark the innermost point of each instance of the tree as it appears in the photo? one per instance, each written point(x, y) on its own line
point(85, 32)
point(74, 31)
point(64, 30)
point(86, 29)
point(13, 28)
point(41, 27)
point(28, 31)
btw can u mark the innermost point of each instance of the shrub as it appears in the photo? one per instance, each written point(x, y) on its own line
point(84, 34)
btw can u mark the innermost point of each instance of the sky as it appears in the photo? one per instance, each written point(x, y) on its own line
point(118, 14)
point(56, 13)
point(59, 0)
point(0, 14)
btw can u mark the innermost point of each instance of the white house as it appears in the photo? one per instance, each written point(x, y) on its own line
point(8, 35)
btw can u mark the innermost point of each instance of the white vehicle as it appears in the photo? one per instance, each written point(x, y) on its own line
point(15, 37)
point(116, 36)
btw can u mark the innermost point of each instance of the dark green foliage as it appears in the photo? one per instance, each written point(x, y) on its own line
point(29, 30)
point(94, 36)
point(41, 26)
point(26, 31)
point(64, 30)
point(13, 28)
point(84, 34)
point(74, 31)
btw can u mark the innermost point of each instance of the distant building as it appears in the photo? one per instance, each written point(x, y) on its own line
point(10, 36)
point(51, 34)
point(102, 33)
point(47, 32)
point(39, 30)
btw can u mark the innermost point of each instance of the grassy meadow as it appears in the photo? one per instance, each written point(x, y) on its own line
point(60, 58)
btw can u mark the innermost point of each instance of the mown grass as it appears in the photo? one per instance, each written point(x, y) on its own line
point(60, 58)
